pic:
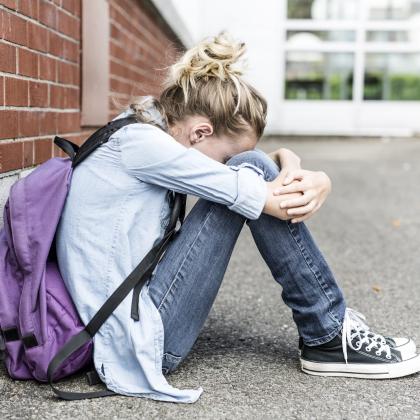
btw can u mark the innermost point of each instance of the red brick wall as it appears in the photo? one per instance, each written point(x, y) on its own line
point(140, 45)
point(40, 70)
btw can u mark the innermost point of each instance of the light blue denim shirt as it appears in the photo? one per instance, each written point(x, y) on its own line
point(116, 209)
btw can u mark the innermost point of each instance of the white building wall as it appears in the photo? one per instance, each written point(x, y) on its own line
point(262, 25)
point(259, 27)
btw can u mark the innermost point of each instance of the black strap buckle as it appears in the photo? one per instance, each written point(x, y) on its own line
point(2, 347)
point(29, 341)
point(10, 334)
point(93, 378)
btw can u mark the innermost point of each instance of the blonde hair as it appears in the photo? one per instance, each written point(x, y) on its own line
point(207, 80)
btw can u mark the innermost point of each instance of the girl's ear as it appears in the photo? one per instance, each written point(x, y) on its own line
point(200, 132)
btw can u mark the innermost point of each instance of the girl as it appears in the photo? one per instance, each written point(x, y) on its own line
point(200, 138)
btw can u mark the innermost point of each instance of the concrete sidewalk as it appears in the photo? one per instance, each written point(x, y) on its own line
point(246, 358)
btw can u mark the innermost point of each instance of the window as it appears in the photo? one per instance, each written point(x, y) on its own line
point(331, 44)
point(387, 36)
point(393, 9)
point(392, 77)
point(319, 76)
point(322, 9)
point(295, 37)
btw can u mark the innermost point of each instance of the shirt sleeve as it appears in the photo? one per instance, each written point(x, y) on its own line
point(155, 157)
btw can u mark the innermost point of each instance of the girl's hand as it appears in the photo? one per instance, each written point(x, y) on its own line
point(314, 188)
point(273, 202)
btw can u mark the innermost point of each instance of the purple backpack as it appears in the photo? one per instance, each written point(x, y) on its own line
point(42, 336)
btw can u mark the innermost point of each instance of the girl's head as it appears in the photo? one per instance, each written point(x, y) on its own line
point(208, 105)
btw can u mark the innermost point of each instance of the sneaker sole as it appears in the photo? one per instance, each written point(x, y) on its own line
point(361, 370)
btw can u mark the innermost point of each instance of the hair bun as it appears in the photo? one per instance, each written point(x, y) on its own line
point(213, 57)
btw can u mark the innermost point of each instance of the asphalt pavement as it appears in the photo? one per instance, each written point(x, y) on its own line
point(246, 357)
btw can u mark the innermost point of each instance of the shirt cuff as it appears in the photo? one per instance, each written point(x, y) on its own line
point(252, 191)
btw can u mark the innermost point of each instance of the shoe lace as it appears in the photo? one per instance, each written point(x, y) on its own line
point(354, 326)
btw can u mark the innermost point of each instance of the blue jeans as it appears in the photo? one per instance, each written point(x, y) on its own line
point(183, 287)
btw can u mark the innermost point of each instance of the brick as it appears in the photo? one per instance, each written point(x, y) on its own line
point(47, 123)
point(7, 58)
point(71, 96)
point(28, 124)
point(8, 124)
point(57, 97)
point(37, 37)
point(28, 153)
point(11, 156)
point(76, 75)
point(38, 94)
point(55, 44)
point(72, 6)
point(16, 92)
point(2, 91)
point(11, 4)
point(48, 14)
point(118, 69)
point(68, 122)
point(65, 73)
point(43, 150)
point(47, 68)
point(14, 28)
point(70, 50)
point(68, 25)
point(28, 63)
point(68, 73)
point(29, 8)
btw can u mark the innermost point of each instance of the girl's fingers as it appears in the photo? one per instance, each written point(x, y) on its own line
point(306, 198)
point(291, 188)
point(293, 175)
point(306, 216)
point(299, 211)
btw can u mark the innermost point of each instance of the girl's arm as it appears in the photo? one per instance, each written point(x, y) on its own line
point(286, 160)
point(153, 156)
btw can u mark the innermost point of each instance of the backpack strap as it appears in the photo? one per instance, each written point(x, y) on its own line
point(138, 277)
point(78, 153)
point(100, 137)
point(69, 147)
point(178, 212)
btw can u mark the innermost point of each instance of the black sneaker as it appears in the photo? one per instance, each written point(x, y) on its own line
point(358, 353)
point(406, 346)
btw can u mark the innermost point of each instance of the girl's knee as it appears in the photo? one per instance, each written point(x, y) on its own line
point(257, 160)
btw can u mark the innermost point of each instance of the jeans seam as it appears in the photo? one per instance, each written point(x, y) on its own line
point(176, 276)
point(316, 274)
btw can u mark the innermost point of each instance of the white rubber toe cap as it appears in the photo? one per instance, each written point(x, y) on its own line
point(406, 346)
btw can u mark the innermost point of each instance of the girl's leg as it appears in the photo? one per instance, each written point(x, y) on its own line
point(187, 279)
point(296, 263)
